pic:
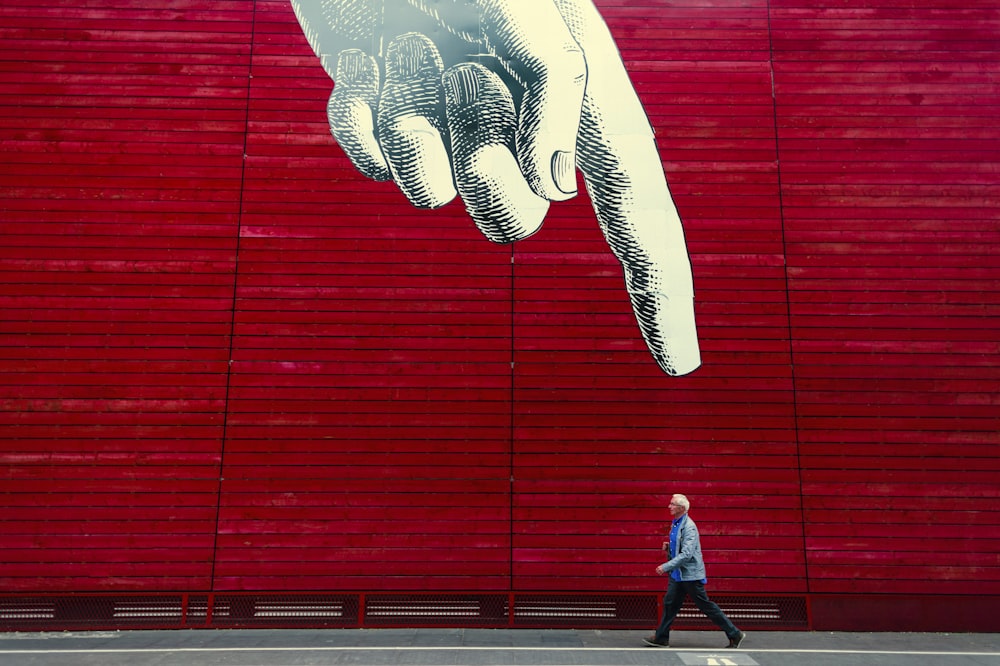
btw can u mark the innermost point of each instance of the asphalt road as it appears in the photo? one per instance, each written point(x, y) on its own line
point(487, 647)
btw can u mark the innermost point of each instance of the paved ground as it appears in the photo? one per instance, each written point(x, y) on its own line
point(487, 647)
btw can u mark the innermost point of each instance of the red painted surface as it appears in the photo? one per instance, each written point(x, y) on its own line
point(228, 363)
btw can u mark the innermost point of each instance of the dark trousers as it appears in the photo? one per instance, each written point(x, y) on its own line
point(677, 591)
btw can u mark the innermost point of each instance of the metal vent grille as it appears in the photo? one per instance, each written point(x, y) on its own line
point(255, 610)
point(91, 612)
point(758, 612)
point(236, 610)
point(27, 611)
point(197, 610)
point(585, 611)
point(431, 610)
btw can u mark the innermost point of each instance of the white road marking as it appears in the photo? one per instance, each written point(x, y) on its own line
point(421, 648)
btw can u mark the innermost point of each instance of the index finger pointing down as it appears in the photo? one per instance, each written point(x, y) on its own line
point(624, 176)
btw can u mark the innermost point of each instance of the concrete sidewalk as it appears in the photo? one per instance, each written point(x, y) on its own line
point(488, 647)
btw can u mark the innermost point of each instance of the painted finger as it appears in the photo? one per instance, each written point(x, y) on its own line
point(332, 27)
point(624, 176)
point(482, 124)
point(534, 44)
point(351, 113)
point(411, 122)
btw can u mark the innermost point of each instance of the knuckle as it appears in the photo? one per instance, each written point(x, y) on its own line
point(565, 63)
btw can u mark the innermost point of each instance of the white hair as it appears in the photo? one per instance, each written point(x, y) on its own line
point(682, 500)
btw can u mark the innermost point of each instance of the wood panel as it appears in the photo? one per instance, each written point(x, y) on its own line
point(368, 443)
point(122, 129)
point(887, 140)
point(602, 437)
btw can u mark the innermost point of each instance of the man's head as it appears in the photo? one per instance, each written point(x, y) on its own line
point(678, 506)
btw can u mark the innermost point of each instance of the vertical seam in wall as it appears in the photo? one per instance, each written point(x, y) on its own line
point(510, 434)
point(788, 302)
point(232, 308)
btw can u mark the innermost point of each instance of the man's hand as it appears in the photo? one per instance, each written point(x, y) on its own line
point(500, 101)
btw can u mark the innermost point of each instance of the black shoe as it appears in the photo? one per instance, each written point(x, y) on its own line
point(738, 641)
point(652, 642)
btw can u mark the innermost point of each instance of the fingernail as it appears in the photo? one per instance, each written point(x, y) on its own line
point(564, 171)
point(461, 85)
point(409, 56)
point(352, 67)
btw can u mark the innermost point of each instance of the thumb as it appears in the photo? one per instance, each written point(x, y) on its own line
point(535, 46)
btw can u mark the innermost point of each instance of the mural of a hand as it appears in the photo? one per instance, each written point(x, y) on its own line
point(501, 100)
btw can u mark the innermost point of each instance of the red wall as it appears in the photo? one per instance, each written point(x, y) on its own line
point(230, 364)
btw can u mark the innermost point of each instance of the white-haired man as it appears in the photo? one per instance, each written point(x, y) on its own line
point(687, 578)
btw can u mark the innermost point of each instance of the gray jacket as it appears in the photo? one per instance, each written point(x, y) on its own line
point(688, 559)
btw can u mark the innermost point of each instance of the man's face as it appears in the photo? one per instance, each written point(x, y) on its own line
point(676, 510)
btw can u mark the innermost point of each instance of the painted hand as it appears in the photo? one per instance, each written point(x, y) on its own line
point(500, 101)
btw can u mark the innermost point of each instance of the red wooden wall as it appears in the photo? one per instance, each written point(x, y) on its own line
point(228, 364)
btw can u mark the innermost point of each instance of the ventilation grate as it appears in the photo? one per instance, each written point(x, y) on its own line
point(197, 610)
point(429, 610)
point(238, 610)
point(14, 612)
point(255, 610)
point(91, 612)
point(585, 611)
point(758, 612)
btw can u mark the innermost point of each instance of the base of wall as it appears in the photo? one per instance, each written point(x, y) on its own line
point(891, 612)
point(511, 610)
point(267, 610)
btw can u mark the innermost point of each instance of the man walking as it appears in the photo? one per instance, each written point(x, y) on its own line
point(687, 577)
